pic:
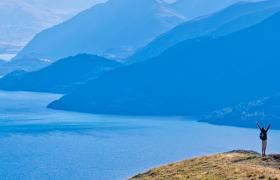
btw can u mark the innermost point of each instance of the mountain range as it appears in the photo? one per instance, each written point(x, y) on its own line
point(193, 77)
point(226, 21)
point(62, 76)
point(116, 29)
point(222, 53)
point(231, 19)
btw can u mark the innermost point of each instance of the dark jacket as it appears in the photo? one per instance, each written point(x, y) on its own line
point(263, 134)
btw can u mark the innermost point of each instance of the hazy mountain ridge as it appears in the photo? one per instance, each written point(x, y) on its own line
point(60, 77)
point(193, 77)
point(236, 17)
point(128, 26)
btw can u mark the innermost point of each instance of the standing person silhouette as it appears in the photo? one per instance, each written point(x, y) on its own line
point(263, 137)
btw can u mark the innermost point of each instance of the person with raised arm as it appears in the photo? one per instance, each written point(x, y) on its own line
point(263, 137)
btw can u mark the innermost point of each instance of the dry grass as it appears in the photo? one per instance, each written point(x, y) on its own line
point(232, 165)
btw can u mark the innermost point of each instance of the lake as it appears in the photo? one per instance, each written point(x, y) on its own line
point(39, 143)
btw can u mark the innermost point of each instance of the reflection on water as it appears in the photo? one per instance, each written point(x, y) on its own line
point(39, 143)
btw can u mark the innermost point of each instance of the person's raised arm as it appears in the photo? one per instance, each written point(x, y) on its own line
point(268, 127)
point(259, 126)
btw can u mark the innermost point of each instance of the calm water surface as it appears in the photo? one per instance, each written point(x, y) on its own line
point(39, 143)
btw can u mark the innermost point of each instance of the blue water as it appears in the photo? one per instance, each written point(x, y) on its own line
point(39, 143)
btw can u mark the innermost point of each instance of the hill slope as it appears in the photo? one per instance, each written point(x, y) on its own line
point(21, 20)
point(232, 165)
point(2, 62)
point(60, 77)
point(107, 29)
point(193, 77)
point(23, 64)
point(264, 110)
point(231, 19)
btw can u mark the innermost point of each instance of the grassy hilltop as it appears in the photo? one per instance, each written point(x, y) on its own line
point(231, 165)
